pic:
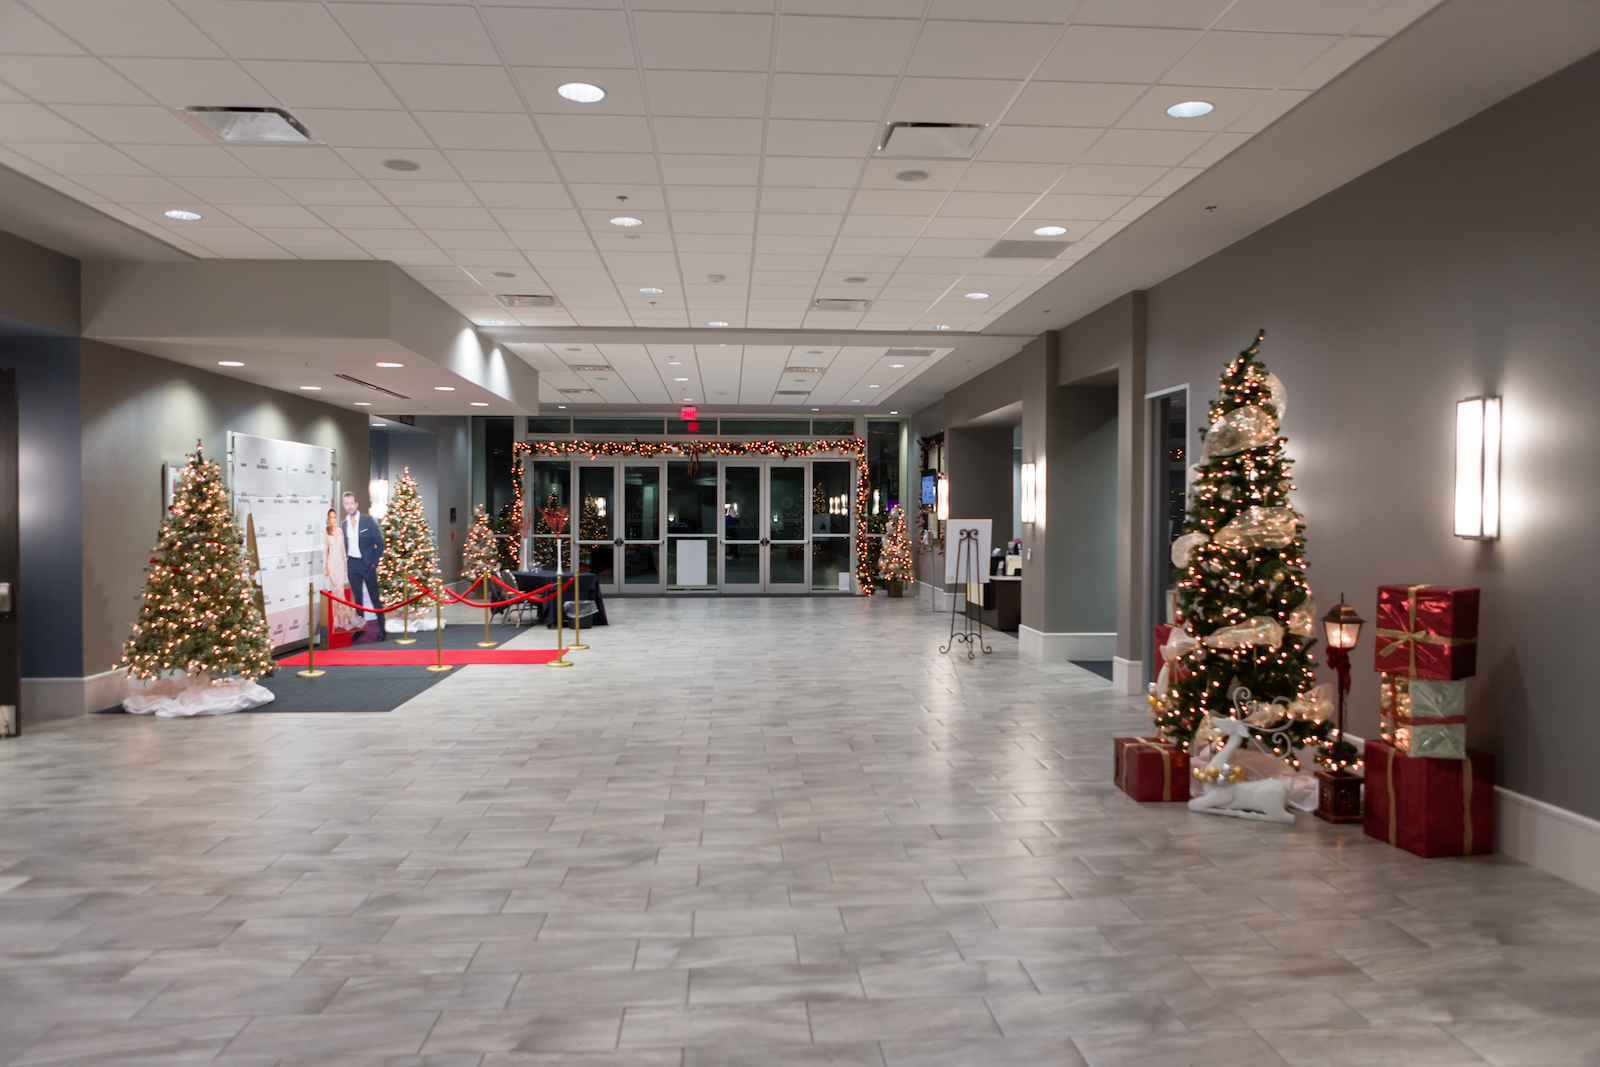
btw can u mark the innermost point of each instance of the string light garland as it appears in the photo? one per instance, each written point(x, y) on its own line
point(480, 555)
point(408, 546)
point(895, 565)
point(198, 614)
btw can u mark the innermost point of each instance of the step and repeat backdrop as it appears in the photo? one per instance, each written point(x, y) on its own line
point(283, 490)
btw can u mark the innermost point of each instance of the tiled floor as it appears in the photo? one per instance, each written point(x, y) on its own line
point(739, 832)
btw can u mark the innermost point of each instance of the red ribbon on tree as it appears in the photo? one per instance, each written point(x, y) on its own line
point(1339, 661)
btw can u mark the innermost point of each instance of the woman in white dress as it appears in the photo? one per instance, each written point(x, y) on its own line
point(337, 573)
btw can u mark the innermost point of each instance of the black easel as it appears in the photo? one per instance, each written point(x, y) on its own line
point(966, 560)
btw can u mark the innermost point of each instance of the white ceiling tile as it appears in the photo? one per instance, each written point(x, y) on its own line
point(80, 160)
point(1056, 11)
point(69, 80)
point(941, 173)
point(549, 240)
point(1072, 104)
point(271, 29)
point(1215, 149)
point(459, 227)
point(821, 96)
point(1396, 16)
point(798, 225)
point(986, 205)
point(132, 190)
point(189, 161)
point(1036, 144)
point(1131, 180)
point(807, 137)
point(427, 194)
point(187, 82)
point(522, 194)
point(821, 45)
point(561, 37)
point(414, 33)
point(479, 166)
point(539, 84)
point(714, 222)
point(235, 190)
point(1136, 207)
point(418, 257)
point(429, 87)
point(329, 191)
point(979, 49)
point(363, 219)
point(368, 163)
point(339, 86)
point(365, 129)
point(708, 135)
point(801, 173)
point(810, 201)
point(952, 100)
point(233, 239)
point(457, 129)
point(1299, 16)
point(1229, 105)
point(874, 246)
point(1179, 14)
point(884, 225)
point(295, 161)
point(990, 229)
point(1059, 206)
point(897, 202)
point(28, 34)
point(538, 219)
point(711, 198)
point(1334, 62)
point(595, 167)
point(1115, 54)
point(149, 124)
point(711, 94)
point(265, 215)
point(605, 198)
point(990, 177)
point(702, 41)
point(130, 28)
point(1274, 105)
point(1173, 180)
point(1160, 148)
point(32, 122)
point(710, 170)
point(1250, 60)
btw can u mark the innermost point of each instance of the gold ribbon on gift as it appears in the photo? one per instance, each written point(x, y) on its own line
point(1394, 822)
point(1166, 765)
point(1466, 803)
point(1411, 637)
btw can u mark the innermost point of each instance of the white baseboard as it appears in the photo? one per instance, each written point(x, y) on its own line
point(1127, 676)
point(1553, 839)
point(1059, 647)
point(937, 597)
point(48, 699)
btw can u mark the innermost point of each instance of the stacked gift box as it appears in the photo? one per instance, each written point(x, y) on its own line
point(1147, 768)
point(1426, 792)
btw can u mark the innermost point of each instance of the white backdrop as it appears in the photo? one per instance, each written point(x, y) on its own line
point(287, 487)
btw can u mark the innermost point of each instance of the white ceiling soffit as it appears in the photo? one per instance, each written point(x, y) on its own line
point(36, 212)
point(743, 140)
point(1461, 58)
point(296, 325)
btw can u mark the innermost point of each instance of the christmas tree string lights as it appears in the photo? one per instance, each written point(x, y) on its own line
point(895, 563)
point(198, 615)
point(408, 547)
point(480, 554)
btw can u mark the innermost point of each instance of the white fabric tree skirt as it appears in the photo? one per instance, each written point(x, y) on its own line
point(394, 624)
point(180, 698)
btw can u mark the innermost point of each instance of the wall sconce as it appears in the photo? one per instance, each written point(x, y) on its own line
point(1030, 497)
point(941, 509)
point(378, 493)
point(1478, 468)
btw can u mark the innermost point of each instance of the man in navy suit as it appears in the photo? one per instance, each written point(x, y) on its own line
point(363, 545)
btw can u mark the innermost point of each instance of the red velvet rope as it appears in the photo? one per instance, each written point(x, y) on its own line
point(457, 599)
point(362, 607)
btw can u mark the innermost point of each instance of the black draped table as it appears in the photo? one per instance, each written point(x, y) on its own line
point(588, 588)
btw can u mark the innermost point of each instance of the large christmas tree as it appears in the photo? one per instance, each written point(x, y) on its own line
point(481, 553)
point(199, 613)
point(408, 547)
point(895, 563)
point(1244, 607)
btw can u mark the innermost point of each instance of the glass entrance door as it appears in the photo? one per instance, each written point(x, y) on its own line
point(640, 541)
point(742, 537)
point(595, 522)
point(693, 518)
point(763, 528)
point(785, 532)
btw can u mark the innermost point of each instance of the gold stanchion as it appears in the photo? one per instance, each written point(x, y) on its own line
point(311, 636)
point(405, 637)
point(558, 661)
point(577, 614)
point(438, 640)
point(485, 643)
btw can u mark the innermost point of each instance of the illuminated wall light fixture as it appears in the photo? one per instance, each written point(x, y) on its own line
point(1478, 468)
point(941, 507)
point(378, 493)
point(1030, 499)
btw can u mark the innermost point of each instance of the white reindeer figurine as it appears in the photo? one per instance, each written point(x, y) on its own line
point(1225, 791)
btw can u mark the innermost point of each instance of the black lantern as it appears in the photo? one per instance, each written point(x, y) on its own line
point(1343, 627)
point(1339, 791)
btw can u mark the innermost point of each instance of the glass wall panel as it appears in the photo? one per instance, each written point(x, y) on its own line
point(676, 427)
point(830, 557)
point(788, 497)
point(778, 427)
point(596, 514)
point(618, 426)
point(692, 523)
point(788, 563)
point(742, 503)
point(549, 424)
point(883, 467)
point(641, 489)
point(833, 427)
point(741, 564)
point(550, 485)
point(831, 492)
point(642, 565)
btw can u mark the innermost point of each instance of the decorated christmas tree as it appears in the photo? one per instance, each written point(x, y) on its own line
point(1244, 608)
point(481, 553)
point(895, 563)
point(408, 548)
point(592, 524)
point(199, 613)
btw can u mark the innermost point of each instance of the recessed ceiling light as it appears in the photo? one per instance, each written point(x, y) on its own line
point(894, 413)
point(1050, 231)
point(183, 216)
point(897, 366)
point(816, 409)
point(855, 401)
point(581, 92)
point(491, 322)
point(248, 125)
point(405, 165)
point(627, 221)
point(1190, 109)
point(229, 363)
point(502, 274)
point(363, 403)
point(716, 324)
point(939, 327)
point(652, 291)
point(444, 388)
point(480, 403)
point(855, 281)
point(688, 400)
point(311, 388)
point(977, 296)
point(674, 362)
point(680, 379)
point(872, 387)
point(913, 175)
point(381, 364)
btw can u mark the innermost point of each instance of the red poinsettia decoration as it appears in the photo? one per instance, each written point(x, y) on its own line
point(555, 518)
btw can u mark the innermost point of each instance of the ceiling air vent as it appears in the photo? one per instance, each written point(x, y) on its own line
point(599, 368)
point(794, 392)
point(803, 370)
point(930, 140)
point(830, 304)
point(1027, 249)
point(575, 392)
point(375, 388)
point(908, 353)
point(526, 300)
point(248, 125)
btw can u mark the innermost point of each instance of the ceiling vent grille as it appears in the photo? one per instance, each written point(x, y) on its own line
point(908, 353)
point(930, 140)
point(575, 392)
point(794, 392)
point(248, 125)
point(834, 304)
point(526, 300)
point(804, 370)
point(374, 388)
point(1027, 249)
point(600, 368)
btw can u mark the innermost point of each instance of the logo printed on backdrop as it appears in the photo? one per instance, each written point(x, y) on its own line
point(286, 489)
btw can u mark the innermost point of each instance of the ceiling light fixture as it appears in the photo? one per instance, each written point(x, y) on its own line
point(1190, 109)
point(857, 280)
point(652, 290)
point(680, 379)
point(382, 364)
point(940, 327)
point(363, 403)
point(312, 388)
point(977, 296)
point(872, 387)
point(627, 222)
point(491, 322)
point(855, 401)
point(581, 92)
point(444, 388)
point(561, 407)
point(229, 363)
point(716, 324)
point(912, 176)
point(405, 166)
point(248, 125)
point(894, 413)
point(1050, 231)
point(674, 362)
point(502, 274)
point(480, 403)
point(897, 366)
point(183, 216)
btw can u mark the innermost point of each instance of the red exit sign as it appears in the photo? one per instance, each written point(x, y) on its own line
point(689, 414)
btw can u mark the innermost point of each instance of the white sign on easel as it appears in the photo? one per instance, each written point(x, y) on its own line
point(971, 570)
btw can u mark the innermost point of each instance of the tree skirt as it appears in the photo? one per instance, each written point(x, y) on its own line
point(175, 698)
point(395, 623)
point(420, 657)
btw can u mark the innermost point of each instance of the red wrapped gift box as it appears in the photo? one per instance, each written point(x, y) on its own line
point(1427, 631)
point(1432, 807)
point(1147, 769)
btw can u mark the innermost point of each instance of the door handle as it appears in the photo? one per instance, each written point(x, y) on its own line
point(765, 541)
point(617, 542)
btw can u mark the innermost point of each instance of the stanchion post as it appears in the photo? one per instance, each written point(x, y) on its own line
point(405, 637)
point(560, 652)
point(438, 639)
point(311, 635)
point(485, 643)
point(577, 614)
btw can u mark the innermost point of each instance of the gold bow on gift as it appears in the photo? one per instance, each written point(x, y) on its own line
point(1411, 636)
point(1166, 765)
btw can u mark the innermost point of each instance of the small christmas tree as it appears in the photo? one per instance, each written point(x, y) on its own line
point(895, 563)
point(481, 553)
point(408, 548)
point(1243, 603)
point(199, 613)
point(592, 524)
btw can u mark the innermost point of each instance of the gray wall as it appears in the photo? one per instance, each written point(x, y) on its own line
point(38, 287)
point(139, 411)
point(1466, 266)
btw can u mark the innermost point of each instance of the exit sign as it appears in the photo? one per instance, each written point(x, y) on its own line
point(689, 414)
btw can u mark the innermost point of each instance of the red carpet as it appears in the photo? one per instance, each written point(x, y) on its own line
point(420, 657)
